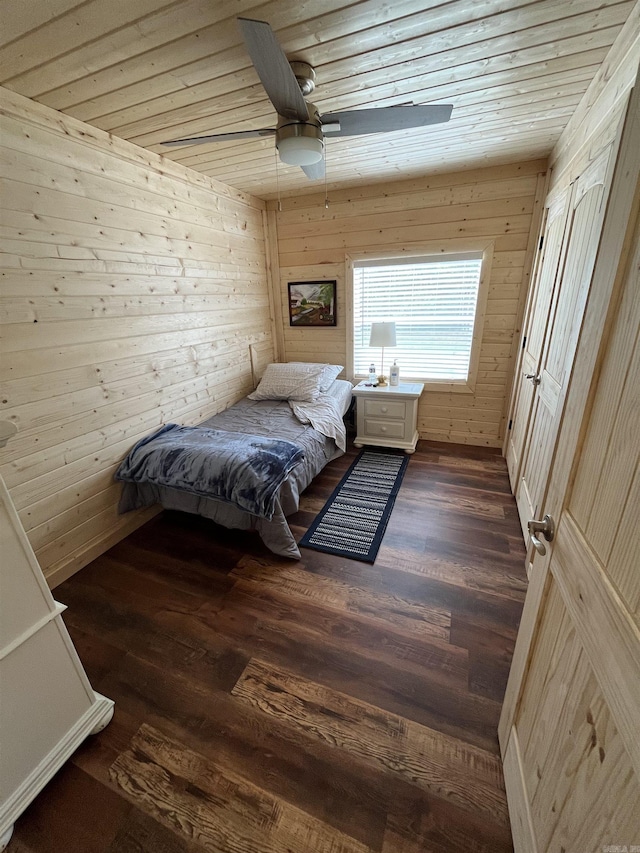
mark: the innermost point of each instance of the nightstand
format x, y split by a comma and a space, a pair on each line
387, 415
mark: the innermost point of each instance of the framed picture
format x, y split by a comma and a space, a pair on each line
312, 303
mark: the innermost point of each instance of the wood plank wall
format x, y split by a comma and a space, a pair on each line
597, 116
483, 204
132, 290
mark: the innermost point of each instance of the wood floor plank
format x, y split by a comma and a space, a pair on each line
141, 833
156, 563
429, 759
503, 612
344, 634
384, 608
481, 480
456, 567
215, 808
441, 828
460, 501
322, 704
141, 629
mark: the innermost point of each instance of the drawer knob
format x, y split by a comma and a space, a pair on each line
384, 409
384, 429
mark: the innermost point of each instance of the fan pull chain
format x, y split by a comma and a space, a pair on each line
275, 152
326, 198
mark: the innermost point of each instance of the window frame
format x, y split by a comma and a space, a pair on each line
426, 250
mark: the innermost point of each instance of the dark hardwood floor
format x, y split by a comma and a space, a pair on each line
319, 706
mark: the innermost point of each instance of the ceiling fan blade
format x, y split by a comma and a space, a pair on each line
356, 122
314, 172
273, 69
222, 137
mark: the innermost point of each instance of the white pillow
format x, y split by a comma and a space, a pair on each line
329, 375
295, 381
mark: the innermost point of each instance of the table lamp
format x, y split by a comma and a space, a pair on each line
382, 335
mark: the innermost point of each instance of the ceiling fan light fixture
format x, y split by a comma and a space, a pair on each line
299, 144
300, 151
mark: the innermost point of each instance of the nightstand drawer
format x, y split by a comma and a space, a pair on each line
385, 409
384, 429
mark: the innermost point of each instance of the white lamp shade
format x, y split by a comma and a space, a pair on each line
383, 335
300, 150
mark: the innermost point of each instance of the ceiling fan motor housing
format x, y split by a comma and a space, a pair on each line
305, 75
300, 143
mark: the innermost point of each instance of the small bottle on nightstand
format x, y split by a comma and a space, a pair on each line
373, 376
394, 374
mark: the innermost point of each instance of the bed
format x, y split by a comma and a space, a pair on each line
313, 425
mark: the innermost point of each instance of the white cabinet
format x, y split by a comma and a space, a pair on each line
387, 416
47, 706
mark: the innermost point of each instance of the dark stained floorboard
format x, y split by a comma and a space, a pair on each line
280, 706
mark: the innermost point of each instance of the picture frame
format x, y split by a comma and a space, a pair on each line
312, 303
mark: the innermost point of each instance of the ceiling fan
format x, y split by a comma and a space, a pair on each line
301, 129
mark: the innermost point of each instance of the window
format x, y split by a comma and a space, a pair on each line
433, 301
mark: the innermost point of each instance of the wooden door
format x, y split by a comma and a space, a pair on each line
536, 326
571, 716
555, 332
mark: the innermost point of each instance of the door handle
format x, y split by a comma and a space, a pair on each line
547, 527
535, 378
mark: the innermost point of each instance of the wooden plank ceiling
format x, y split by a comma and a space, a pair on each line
151, 70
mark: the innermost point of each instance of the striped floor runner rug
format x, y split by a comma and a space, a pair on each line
353, 520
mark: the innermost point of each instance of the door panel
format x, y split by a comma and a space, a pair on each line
553, 667
604, 625
584, 763
606, 475
535, 328
522, 829
581, 237
623, 562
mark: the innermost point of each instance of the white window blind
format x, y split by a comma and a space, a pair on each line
433, 303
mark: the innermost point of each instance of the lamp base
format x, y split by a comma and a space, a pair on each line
382, 380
